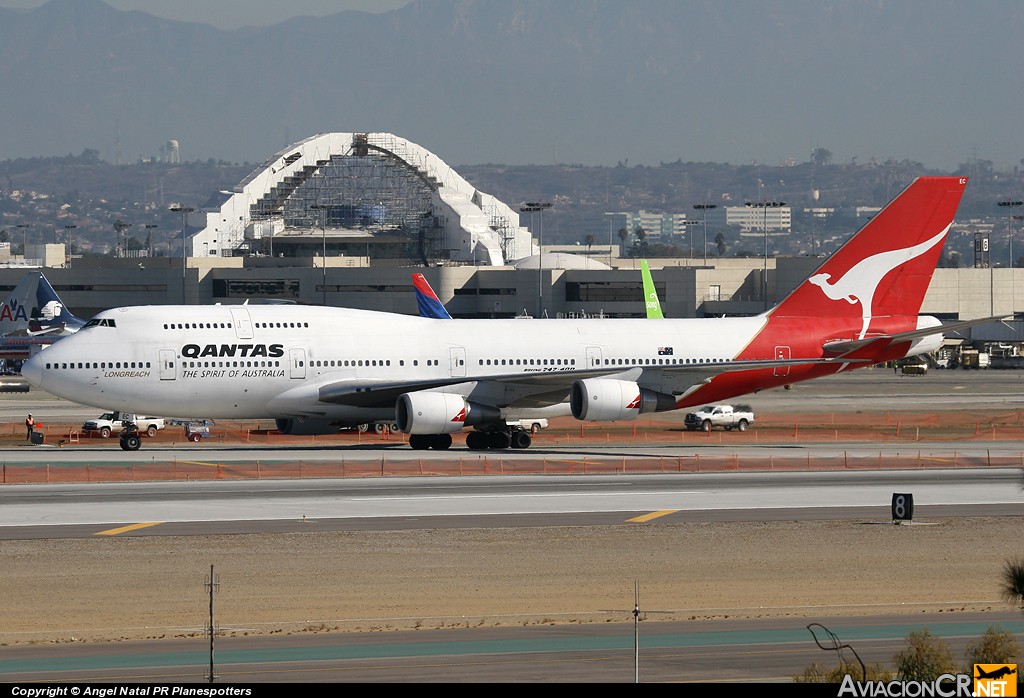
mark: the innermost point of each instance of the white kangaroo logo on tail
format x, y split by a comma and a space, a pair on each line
859, 283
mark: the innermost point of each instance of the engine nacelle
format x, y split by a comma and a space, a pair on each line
608, 400
306, 427
440, 413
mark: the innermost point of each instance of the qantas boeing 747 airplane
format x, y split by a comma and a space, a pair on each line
315, 369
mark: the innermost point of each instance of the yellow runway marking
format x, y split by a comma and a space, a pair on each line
125, 529
652, 515
199, 462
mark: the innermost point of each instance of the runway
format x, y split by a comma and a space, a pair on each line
276, 505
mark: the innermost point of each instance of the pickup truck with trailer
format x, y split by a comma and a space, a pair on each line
725, 416
109, 422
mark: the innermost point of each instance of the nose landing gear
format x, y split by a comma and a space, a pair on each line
130, 439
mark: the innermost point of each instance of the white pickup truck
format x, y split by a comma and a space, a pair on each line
109, 422
725, 416
531, 425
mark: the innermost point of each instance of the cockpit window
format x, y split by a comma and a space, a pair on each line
100, 322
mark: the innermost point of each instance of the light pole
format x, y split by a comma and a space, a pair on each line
612, 213
67, 242
765, 205
184, 211
1009, 205
149, 237
689, 236
323, 232
24, 238
703, 208
532, 207
121, 227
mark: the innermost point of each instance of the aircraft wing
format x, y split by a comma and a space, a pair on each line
879, 342
551, 387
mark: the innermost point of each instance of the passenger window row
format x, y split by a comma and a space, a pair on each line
101, 364
527, 362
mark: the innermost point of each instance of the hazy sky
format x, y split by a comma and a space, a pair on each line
232, 14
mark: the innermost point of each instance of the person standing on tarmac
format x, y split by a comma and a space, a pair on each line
29, 426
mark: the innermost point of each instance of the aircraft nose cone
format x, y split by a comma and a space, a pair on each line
32, 371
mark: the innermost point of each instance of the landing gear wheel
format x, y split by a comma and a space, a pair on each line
363, 428
130, 443
521, 439
476, 441
499, 440
438, 442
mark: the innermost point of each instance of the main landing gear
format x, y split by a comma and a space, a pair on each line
438, 442
498, 439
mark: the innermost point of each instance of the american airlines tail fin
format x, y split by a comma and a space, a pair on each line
17, 308
883, 271
34, 308
429, 304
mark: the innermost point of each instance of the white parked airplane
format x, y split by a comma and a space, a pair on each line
314, 369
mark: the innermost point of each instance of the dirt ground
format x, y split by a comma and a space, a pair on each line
153, 587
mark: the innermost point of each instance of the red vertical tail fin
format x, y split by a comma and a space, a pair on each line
885, 268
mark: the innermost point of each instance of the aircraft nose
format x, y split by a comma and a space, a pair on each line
32, 370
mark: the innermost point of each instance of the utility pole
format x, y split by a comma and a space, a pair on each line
211, 628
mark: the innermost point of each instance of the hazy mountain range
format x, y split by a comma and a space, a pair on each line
529, 81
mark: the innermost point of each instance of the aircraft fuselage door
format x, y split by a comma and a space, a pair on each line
242, 322
593, 357
168, 359
782, 354
297, 363
457, 361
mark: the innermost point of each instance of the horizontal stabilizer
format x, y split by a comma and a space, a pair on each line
880, 342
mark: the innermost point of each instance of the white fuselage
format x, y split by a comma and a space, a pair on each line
271, 361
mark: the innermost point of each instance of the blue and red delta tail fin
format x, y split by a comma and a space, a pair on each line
429, 304
883, 271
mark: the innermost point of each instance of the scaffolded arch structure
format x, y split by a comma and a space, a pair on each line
372, 189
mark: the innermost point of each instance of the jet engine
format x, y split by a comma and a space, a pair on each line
306, 427
608, 400
440, 413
